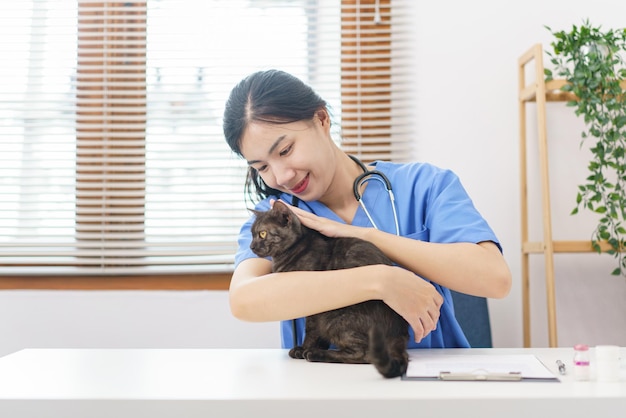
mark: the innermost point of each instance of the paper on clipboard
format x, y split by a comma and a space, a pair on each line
427, 366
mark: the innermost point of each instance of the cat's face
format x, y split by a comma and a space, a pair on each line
274, 231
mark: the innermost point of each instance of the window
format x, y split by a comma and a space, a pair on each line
113, 161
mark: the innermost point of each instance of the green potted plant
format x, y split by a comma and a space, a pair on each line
592, 62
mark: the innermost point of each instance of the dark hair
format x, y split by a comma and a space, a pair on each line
271, 96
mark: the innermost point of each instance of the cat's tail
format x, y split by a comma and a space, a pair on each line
389, 357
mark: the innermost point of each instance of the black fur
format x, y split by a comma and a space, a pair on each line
367, 332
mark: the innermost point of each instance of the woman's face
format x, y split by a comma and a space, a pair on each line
296, 158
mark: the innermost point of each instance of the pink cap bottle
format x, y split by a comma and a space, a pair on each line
581, 362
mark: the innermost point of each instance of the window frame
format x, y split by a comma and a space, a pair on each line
220, 280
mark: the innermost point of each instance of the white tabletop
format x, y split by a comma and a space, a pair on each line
238, 382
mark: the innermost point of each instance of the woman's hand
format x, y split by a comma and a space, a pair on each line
326, 226
415, 299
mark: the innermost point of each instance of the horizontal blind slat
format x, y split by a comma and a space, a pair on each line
114, 120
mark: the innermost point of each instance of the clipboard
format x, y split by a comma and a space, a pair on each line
445, 366
481, 375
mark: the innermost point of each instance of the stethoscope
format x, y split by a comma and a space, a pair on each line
361, 179
379, 176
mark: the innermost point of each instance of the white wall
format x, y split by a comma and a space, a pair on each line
467, 111
467, 120
126, 319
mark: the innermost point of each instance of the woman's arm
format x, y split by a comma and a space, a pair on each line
476, 269
256, 294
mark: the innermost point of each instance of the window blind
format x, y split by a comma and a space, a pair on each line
113, 160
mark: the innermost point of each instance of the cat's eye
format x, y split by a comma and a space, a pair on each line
262, 234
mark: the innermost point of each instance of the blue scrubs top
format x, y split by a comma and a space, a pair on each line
432, 206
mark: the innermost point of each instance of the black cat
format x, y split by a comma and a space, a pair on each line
367, 332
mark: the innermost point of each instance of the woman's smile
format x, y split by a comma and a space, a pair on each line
301, 187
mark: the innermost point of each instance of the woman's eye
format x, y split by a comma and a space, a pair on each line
262, 168
262, 234
286, 151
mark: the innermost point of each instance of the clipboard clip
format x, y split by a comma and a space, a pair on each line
480, 375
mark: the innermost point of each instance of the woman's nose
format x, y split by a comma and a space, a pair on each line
284, 176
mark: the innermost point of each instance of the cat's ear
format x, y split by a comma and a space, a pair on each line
255, 212
285, 213
280, 206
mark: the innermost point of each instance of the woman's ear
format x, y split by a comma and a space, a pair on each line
324, 118
324, 121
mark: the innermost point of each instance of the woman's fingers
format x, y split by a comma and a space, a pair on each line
425, 324
323, 225
414, 299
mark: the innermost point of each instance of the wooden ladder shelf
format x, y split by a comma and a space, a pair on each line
540, 92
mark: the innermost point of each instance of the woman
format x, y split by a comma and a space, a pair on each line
282, 128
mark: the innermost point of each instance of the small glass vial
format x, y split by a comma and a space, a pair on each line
581, 362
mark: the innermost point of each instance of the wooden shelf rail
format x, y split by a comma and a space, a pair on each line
540, 92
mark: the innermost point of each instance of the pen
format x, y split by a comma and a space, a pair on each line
561, 367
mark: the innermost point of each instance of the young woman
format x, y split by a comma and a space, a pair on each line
434, 234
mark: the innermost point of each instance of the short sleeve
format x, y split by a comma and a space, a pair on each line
451, 215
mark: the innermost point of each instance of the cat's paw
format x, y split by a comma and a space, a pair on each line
297, 352
314, 355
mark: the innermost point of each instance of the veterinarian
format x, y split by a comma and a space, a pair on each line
426, 223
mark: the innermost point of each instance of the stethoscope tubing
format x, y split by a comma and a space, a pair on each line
379, 176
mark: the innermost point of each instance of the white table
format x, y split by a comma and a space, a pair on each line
189, 383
